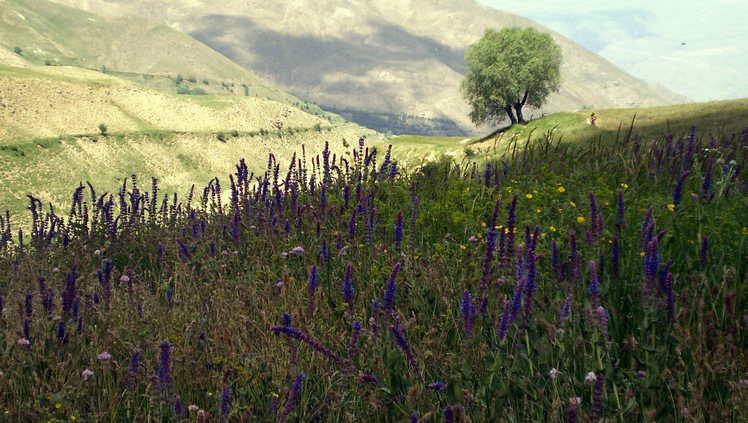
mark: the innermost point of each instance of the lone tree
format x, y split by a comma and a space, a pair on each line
507, 70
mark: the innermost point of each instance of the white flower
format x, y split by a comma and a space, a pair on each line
24, 342
56, 270
124, 278
97, 252
575, 400
591, 378
554, 373
87, 374
297, 250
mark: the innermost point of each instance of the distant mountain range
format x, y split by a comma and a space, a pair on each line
392, 65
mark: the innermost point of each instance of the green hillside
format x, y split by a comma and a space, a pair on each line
716, 118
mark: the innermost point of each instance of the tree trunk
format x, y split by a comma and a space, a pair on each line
510, 113
518, 107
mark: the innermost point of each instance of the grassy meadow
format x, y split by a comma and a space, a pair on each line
600, 280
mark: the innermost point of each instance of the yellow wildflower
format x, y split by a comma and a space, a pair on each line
745, 230
483, 224
573, 204
463, 247
642, 253
561, 189
580, 219
552, 228
624, 186
537, 210
528, 196
671, 207
58, 405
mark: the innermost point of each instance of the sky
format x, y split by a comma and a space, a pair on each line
698, 49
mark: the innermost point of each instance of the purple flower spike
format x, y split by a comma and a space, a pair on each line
468, 313
355, 335
399, 231
594, 288
616, 256
292, 398
164, 369
297, 334
389, 294
132, 371
414, 417
572, 414
706, 185
621, 220
313, 282
678, 192
225, 399
597, 397
670, 297
348, 287
449, 415
704, 247
402, 342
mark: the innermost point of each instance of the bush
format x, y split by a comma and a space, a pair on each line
102, 129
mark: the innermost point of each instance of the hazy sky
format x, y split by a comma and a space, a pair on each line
695, 48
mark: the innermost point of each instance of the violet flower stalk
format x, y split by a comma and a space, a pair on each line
706, 185
555, 260
594, 221
402, 342
597, 397
413, 223
614, 266
132, 370
399, 231
678, 192
389, 294
313, 282
293, 397
670, 297
468, 313
594, 287
355, 335
297, 334
504, 325
566, 309
164, 369
449, 415
510, 227
225, 399
348, 287
621, 220
651, 265
530, 286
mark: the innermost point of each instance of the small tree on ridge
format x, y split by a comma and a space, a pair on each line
507, 70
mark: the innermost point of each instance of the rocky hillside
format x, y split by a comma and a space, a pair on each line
392, 64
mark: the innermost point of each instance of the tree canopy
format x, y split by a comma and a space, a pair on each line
507, 70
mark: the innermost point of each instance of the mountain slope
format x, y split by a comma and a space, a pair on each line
400, 60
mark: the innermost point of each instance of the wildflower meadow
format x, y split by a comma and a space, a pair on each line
559, 282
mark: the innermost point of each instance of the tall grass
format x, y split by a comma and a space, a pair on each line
601, 282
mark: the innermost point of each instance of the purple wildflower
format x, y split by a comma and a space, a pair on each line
160, 251
413, 223
132, 371
184, 252
706, 185
505, 317
164, 369
292, 398
597, 397
678, 192
468, 313
530, 286
352, 225
402, 342
594, 229
663, 276
60, 332
348, 287
369, 378
449, 414
555, 260
571, 414
438, 386
355, 335
414, 417
651, 265
389, 294
594, 287
621, 221
313, 282
566, 309
399, 231
602, 320
178, 406
225, 399
296, 334
490, 245
511, 221
689, 151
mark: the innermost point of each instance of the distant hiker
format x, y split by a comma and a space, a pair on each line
592, 119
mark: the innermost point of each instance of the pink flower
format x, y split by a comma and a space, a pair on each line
575, 400
192, 408
473, 239
105, 356
124, 278
590, 378
24, 342
86, 374
297, 250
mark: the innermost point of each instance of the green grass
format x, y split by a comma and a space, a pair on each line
720, 118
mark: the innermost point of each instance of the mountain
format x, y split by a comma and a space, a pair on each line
391, 64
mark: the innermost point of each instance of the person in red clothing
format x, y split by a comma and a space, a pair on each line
592, 119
